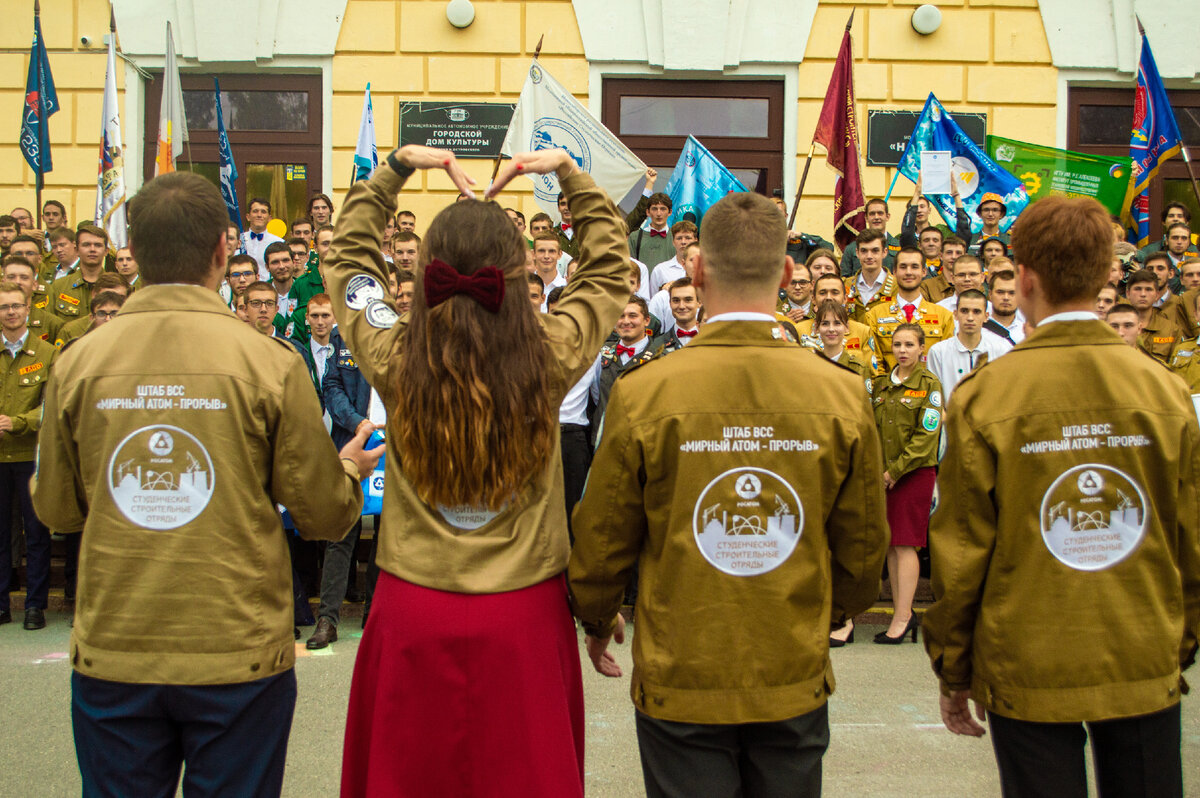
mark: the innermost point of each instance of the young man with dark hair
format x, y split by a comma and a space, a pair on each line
405, 280
877, 218
19, 271
872, 284
546, 254
908, 307
1172, 213
1005, 318
1179, 243
968, 275
941, 285
107, 282
303, 229
972, 346
64, 257
632, 348
652, 243
566, 236
796, 301
685, 307
240, 273
290, 296
70, 295
539, 223
537, 291
1159, 332
8, 231
683, 235
54, 216
405, 246
744, 712
127, 267
256, 239
1126, 322
261, 307
1066, 491
406, 222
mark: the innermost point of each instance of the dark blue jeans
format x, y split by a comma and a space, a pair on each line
14, 487
230, 739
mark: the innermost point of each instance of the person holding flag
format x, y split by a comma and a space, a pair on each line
41, 102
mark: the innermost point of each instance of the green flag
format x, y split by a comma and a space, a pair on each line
1046, 171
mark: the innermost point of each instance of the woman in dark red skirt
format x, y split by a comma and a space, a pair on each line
467, 681
908, 413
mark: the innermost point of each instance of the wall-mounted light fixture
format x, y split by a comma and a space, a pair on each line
926, 19
460, 13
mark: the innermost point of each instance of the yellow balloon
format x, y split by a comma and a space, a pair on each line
276, 227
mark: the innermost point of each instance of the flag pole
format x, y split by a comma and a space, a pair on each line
536, 52
811, 150
39, 177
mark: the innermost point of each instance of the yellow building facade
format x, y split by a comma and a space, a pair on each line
1017, 61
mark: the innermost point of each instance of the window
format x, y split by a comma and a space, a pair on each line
740, 122
274, 129
1099, 121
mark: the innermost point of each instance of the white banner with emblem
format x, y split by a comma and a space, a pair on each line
548, 117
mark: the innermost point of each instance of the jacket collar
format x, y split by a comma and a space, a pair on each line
175, 296
1071, 333
741, 333
913, 380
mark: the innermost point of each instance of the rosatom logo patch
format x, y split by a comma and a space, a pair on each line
1093, 516
360, 290
747, 521
160, 477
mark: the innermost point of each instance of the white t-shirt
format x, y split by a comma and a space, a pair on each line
666, 272
950, 360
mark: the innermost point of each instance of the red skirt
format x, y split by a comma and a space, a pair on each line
908, 506
466, 695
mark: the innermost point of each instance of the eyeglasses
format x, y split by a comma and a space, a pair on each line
236, 275
105, 314
260, 303
801, 282
11, 308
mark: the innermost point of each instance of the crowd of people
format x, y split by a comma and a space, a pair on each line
907, 319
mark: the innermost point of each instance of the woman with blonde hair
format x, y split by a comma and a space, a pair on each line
467, 680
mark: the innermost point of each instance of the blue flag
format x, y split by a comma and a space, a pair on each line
41, 102
229, 173
366, 157
975, 173
698, 182
1154, 139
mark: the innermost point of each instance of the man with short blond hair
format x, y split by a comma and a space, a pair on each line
546, 253
70, 295
19, 271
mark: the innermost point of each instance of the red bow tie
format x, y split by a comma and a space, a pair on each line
686, 333
659, 233
625, 350
485, 286
566, 226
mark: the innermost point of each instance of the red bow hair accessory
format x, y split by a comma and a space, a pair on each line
485, 286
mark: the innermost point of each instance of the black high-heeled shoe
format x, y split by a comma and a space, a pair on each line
914, 623
838, 643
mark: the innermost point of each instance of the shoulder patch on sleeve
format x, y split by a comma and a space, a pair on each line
930, 419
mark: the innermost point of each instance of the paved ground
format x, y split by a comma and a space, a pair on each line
887, 739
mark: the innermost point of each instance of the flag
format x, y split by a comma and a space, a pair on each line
548, 117
1154, 139
366, 157
228, 168
975, 173
698, 182
41, 102
837, 132
1046, 171
172, 123
110, 179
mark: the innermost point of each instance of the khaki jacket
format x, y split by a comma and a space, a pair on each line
1183, 313
755, 513
936, 322
908, 416
859, 341
22, 382
936, 288
1186, 363
44, 324
1065, 542
527, 541
73, 329
1159, 337
70, 296
170, 435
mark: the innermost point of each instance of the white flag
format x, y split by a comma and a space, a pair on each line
366, 157
172, 123
110, 183
548, 117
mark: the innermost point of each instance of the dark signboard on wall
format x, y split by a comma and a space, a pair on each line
469, 130
888, 133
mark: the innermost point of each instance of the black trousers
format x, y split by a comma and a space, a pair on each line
748, 760
576, 460
1135, 757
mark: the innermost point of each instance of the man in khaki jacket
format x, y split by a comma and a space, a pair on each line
1064, 546
753, 521
169, 436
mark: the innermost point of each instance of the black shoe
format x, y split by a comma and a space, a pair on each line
35, 618
5, 617
836, 643
296, 632
355, 596
914, 623
325, 634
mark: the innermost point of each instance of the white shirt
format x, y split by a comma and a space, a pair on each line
59, 271
867, 291
685, 340
557, 281
950, 360
901, 304
666, 272
643, 289
14, 347
1016, 330
1069, 315
256, 249
321, 354
741, 315
573, 409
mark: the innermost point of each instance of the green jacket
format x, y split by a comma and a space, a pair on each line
1065, 546
908, 417
22, 380
753, 520
70, 296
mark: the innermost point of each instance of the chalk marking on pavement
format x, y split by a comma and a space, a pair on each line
57, 656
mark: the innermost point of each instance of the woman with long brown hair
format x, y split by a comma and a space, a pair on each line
468, 680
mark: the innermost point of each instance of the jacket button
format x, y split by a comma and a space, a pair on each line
87, 662
254, 667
